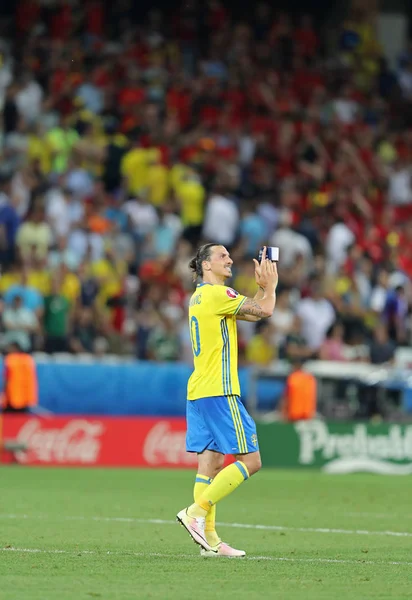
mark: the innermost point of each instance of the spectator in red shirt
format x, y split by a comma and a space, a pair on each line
133, 91
179, 101
305, 37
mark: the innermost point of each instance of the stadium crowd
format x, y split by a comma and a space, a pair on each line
123, 147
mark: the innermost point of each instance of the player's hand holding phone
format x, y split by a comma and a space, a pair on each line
266, 272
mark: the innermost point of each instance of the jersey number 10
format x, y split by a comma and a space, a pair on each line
195, 335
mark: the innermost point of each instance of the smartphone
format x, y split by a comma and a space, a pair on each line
272, 253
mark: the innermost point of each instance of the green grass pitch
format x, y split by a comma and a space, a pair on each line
74, 534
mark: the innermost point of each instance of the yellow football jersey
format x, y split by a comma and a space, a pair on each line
213, 331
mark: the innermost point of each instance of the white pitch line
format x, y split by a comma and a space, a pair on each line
192, 556
319, 530
325, 530
371, 515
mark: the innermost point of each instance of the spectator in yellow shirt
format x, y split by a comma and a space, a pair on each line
69, 284
35, 235
157, 181
109, 273
91, 146
61, 140
177, 173
190, 195
245, 282
39, 150
38, 277
11, 276
135, 168
260, 349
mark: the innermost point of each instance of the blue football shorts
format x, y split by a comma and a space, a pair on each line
222, 424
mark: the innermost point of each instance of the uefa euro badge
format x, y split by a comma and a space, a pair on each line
254, 439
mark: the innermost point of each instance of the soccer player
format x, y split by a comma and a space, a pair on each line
217, 422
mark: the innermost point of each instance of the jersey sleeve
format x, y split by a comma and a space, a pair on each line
227, 301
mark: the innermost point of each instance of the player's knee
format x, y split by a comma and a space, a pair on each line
210, 463
256, 463
253, 462
218, 465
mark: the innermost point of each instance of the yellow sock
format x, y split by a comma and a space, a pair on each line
201, 484
223, 484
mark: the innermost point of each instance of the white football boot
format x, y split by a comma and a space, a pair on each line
195, 526
222, 549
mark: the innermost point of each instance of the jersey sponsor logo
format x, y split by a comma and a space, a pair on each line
231, 293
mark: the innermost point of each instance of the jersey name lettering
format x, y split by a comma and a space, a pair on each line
196, 300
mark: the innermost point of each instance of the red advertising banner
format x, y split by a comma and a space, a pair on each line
100, 441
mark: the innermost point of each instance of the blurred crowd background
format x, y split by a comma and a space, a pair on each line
124, 145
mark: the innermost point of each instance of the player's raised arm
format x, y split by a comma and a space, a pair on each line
263, 307
255, 308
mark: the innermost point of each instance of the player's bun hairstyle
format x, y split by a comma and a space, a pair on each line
202, 254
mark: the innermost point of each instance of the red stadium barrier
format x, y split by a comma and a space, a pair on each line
100, 441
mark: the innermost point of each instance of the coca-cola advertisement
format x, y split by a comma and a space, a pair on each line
101, 441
